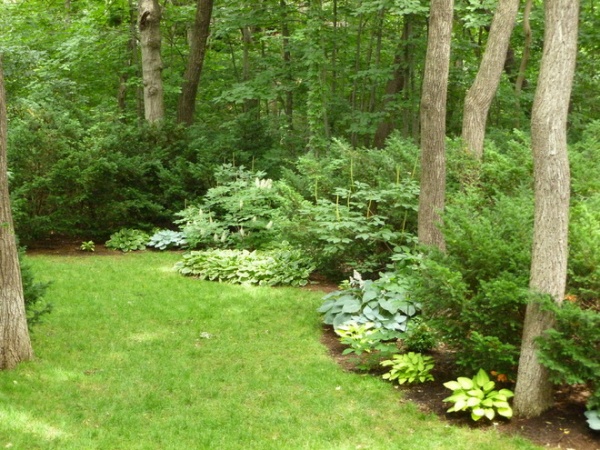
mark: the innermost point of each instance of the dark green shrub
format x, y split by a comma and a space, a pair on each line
474, 295
33, 292
570, 349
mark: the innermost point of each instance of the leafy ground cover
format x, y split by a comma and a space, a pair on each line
134, 356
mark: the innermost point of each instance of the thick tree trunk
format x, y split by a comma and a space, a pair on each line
15, 345
149, 23
433, 123
191, 77
533, 393
479, 97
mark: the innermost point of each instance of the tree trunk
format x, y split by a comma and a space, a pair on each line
479, 97
526, 48
15, 345
533, 393
149, 23
433, 123
191, 77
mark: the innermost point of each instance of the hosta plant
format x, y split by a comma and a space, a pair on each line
409, 368
593, 419
478, 396
369, 344
127, 240
384, 302
164, 239
283, 266
88, 246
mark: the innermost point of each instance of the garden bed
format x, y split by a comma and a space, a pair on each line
564, 426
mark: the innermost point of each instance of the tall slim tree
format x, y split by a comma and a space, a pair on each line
533, 392
150, 42
15, 345
433, 123
191, 77
479, 97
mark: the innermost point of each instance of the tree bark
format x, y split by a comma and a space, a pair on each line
433, 124
191, 78
149, 23
15, 345
533, 393
479, 97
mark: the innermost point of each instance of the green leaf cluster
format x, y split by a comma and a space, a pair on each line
571, 347
384, 302
164, 239
127, 240
593, 419
242, 211
368, 343
283, 266
409, 368
478, 396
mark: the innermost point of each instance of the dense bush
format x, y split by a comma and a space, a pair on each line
74, 177
241, 211
360, 206
474, 294
33, 292
570, 349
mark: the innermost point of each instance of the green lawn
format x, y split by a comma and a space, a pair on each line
135, 356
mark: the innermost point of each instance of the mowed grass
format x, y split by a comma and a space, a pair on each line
135, 356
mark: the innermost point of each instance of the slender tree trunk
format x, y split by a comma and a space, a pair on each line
479, 97
149, 23
433, 123
191, 78
15, 345
392, 88
287, 63
526, 48
533, 393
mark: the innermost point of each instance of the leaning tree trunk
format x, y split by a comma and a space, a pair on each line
533, 392
433, 123
191, 77
15, 345
479, 97
149, 23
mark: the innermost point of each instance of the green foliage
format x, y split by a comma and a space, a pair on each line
128, 240
240, 212
164, 239
283, 266
478, 396
88, 246
593, 419
362, 206
409, 368
368, 343
474, 295
384, 302
570, 349
33, 293
75, 177
419, 337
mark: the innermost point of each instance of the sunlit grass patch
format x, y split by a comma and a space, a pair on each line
138, 357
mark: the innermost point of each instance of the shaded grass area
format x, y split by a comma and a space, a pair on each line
135, 356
